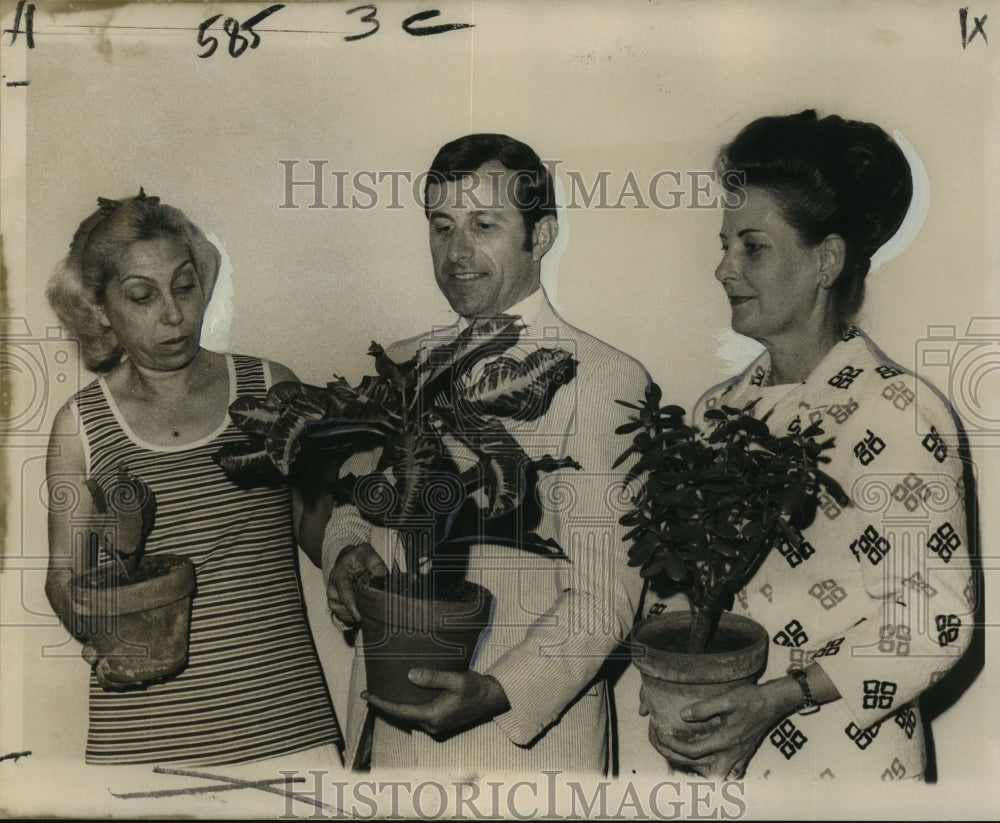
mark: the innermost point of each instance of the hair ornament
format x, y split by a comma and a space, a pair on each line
153, 201
107, 206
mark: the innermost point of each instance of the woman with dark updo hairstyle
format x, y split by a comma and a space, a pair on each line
866, 614
133, 290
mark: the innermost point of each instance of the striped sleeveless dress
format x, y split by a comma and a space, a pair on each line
253, 687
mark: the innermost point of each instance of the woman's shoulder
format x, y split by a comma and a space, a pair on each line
280, 373
250, 364
86, 395
890, 404
893, 387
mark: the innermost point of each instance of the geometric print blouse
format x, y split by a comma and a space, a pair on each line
880, 593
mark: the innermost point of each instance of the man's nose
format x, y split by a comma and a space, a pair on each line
461, 247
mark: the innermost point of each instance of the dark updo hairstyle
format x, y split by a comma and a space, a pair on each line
79, 286
830, 176
533, 191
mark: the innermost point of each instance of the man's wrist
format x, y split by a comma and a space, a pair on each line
496, 697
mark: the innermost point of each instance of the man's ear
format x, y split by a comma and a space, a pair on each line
831, 254
543, 235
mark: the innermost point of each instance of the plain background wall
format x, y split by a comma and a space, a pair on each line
639, 87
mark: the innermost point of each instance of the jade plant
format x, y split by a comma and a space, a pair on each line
713, 503
446, 471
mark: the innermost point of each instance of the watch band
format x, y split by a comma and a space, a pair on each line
809, 706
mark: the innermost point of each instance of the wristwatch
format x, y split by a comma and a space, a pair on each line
809, 706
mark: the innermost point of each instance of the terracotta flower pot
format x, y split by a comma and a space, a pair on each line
139, 629
672, 678
400, 632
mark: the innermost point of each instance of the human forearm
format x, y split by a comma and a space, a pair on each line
57, 590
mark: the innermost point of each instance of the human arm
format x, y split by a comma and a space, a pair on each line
467, 699
347, 552
69, 497
564, 648
749, 712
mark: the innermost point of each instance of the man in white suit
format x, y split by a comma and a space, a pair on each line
536, 697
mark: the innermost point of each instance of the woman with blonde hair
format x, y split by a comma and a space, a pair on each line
133, 290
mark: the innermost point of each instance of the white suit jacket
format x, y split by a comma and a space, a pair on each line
555, 622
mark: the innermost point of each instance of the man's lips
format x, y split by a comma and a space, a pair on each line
466, 276
739, 299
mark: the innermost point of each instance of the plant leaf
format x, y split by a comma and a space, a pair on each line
486, 338
284, 438
253, 415
247, 464
519, 389
412, 456
395, 373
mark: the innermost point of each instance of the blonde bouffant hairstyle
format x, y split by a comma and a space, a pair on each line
78, 288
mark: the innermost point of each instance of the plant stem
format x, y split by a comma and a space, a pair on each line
703, 624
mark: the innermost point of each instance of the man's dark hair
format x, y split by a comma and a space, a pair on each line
532, 192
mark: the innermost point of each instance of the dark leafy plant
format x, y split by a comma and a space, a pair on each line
125, 516
712, 504
448, 473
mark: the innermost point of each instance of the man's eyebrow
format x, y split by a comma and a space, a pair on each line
487, 211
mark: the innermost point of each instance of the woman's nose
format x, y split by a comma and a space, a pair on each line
725, 270
172, 315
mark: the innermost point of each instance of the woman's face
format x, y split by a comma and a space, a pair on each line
772, 278
155, 304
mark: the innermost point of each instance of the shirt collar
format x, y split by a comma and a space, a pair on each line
526, 310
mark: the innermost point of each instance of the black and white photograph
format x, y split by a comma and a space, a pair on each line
491, 409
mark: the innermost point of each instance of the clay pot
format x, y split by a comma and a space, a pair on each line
400, 632
140, 629
672, 678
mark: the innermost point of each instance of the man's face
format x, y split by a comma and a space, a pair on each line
478, 242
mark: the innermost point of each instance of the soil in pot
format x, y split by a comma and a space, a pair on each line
401, 630
139, 628
672, 678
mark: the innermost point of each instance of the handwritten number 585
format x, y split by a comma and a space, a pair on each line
231, 26
242, 36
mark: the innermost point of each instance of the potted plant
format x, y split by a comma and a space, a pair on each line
711, 505
133, 609
448, 474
